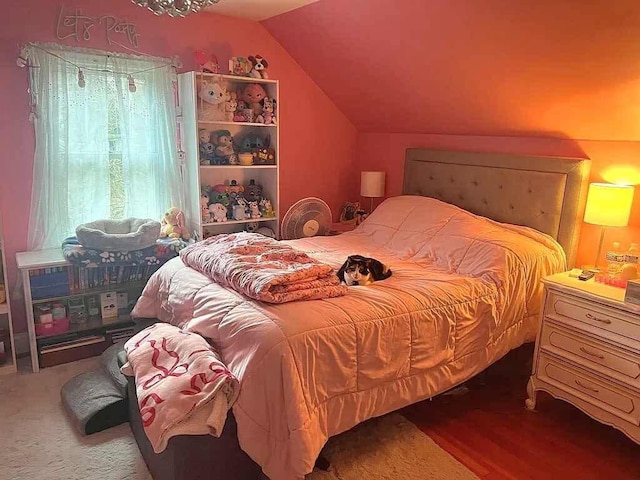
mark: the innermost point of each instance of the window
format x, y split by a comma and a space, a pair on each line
105, 139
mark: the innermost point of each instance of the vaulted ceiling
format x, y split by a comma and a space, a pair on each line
551, 67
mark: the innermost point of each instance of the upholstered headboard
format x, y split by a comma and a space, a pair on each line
545, 193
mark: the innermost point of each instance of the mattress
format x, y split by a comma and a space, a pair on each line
464, 291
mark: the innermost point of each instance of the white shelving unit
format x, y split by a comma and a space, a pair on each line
196, 175
5, 314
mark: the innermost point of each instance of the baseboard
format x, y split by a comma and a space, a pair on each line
21, 341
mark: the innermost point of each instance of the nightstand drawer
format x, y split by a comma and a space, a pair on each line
561, 307
596, 391
604, 358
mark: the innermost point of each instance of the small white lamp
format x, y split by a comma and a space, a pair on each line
372, 185
608, 205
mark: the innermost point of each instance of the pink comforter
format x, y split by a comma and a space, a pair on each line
464, 291
262, 268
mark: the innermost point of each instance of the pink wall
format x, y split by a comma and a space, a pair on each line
551, 78
317, 140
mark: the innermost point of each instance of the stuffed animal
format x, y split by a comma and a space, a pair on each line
207, 65
250, 142
268, 116
266, 208
253, 192
251, 227
258, 67
212, 96
224, 153
207, 151
239, 115
218, 212
253, 94
242, 203
235, 190
219, 194
172, 224
204, 208
230, 107
254, 210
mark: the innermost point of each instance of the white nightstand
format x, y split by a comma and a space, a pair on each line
588, 352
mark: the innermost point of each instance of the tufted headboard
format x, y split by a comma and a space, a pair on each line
545, 193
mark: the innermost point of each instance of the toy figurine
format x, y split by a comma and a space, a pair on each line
204, 208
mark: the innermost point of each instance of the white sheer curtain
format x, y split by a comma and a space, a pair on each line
102, 151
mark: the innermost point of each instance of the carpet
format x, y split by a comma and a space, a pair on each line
38, 441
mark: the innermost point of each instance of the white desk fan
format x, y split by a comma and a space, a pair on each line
306, 218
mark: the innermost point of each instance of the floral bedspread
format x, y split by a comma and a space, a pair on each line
164, 249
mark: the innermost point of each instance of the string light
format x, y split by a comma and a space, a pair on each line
22, 62
132, 84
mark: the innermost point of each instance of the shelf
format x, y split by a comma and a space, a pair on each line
237, 222
246, 124
92, 324
4, 309
114, 287
215, 167
236, 78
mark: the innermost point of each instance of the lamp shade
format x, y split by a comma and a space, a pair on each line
608, 205
372, 184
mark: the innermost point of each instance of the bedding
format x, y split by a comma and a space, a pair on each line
262, 268
464, 291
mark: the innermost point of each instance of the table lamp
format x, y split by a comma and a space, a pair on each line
608, 205
372, 185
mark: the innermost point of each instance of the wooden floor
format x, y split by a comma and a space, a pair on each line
489, 430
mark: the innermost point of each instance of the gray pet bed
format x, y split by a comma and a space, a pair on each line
119, 235
97, 400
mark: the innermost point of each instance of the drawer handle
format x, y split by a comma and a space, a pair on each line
606, 321
593, 354
586, 387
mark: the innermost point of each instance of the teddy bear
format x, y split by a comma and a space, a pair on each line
259, 66
230, 106
253, 94
218, 211
212, 96
172, 224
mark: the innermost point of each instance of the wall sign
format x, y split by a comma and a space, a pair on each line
74, 24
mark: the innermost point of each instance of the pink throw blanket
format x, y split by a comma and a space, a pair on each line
182, 386
262, 268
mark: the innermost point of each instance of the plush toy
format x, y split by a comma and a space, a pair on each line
224, 153
268, 116
258, 67
264, 156
218, 212
207, 65
230, 107
219, 194
235, 191
172, 224
254, 210
251, 227
253, 192
266, 208
239, 115
212, 96
253, 95
239, 210
250, 142
207, 151
204, 208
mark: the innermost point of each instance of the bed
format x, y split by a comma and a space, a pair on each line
464, 292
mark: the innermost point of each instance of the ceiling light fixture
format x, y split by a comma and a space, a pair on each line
175, 8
